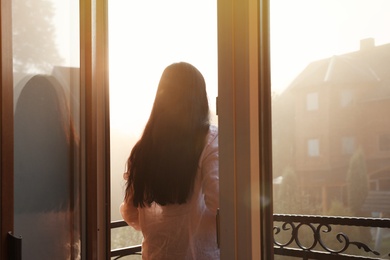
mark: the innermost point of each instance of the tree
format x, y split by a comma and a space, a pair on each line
288, 196
34, 36
283, 125
357, 182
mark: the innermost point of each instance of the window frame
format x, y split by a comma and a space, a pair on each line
245, 128
95, 139
244, 113
6, 127
94, 142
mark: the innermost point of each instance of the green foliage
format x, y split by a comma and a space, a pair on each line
125, 236
354, 233
287, 197
337, 208
34, 36
357, 182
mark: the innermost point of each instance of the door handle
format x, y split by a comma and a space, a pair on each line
14, 247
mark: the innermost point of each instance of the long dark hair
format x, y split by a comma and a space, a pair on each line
163, 163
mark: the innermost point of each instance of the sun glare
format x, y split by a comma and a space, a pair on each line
144, 38
303, 31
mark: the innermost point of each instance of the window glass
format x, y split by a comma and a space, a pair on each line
338, 51
46, 57
144, 38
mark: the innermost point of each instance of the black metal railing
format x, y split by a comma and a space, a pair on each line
314, 229
315, 246
121, 252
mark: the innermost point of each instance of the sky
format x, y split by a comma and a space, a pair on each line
146, 36
303, 31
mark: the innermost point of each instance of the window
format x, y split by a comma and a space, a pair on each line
313, 147
312, 101
384, 142
53, 62
346, 98
157, 33
47, 177
347, 145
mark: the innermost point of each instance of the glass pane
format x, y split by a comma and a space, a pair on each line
330, 76
46, 97
144, 38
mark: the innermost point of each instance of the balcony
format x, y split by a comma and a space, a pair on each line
313, 237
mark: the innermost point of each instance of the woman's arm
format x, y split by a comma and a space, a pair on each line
210, 173
128, 211
130, 214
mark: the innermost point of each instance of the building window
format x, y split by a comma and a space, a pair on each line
312, 101
384, 142
313, 147
345, 98
347, 145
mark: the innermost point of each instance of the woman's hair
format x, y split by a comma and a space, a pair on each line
163, 163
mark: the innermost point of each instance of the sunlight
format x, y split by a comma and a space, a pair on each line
331, 27
144, 38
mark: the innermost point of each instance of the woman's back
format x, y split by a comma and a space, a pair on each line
185, 231
172, 177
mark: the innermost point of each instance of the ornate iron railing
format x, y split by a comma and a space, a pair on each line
314, 229
292, 227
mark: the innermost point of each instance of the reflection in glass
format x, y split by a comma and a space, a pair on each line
44, 179
331, 82
46, 130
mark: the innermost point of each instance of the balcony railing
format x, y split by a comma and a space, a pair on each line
320, 242
121, 252
312, 229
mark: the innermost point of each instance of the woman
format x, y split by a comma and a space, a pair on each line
172, 172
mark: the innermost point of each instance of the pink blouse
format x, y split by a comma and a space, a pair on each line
186, 231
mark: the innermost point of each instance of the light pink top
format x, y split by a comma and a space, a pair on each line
186, 231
